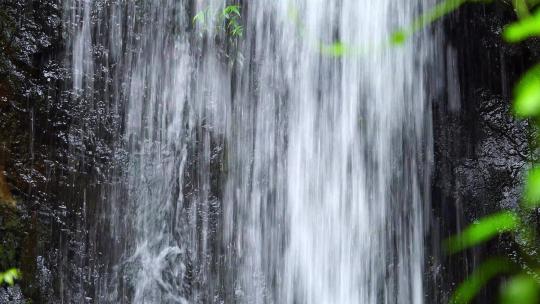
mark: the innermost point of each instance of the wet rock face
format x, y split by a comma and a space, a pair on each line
29, 81
480, 149
32, 147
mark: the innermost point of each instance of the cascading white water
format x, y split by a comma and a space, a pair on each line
288, 167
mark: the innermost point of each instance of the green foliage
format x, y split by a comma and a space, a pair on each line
475, 282
398, 37
222, 26
483, 230
527, 94
231, 16
521, 289
225, 21
336, 49
521, 8
200, 17
231, 10
525, 28
9, 277
440, 10
437, 12
532, 188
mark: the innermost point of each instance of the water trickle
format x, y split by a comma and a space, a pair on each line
286, 165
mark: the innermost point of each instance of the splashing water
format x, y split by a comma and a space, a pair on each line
286, 165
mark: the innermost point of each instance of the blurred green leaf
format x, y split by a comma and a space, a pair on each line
10, 276
200, 17
521, 8
523, 29
527, 94
432, 15
467, 290
437, 12
521, 289
336, 49
532, 188
483, 230
398, 38
532, 3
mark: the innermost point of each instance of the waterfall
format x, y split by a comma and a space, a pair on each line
288, 164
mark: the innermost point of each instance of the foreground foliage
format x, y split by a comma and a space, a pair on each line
9, 277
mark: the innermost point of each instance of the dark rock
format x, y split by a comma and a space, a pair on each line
33, 147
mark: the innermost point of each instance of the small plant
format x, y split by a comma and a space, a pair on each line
225, 21
231, 16
224, 26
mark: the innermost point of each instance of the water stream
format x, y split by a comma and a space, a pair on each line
275, 167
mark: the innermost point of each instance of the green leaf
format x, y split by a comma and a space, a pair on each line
527, 94
521, 8
523, 29
521, 289
483, 230
532, 3
398, 38
232, 10
467, 290
532, 188
238, 31
10, 276
336, 49
440, 10
200, 17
